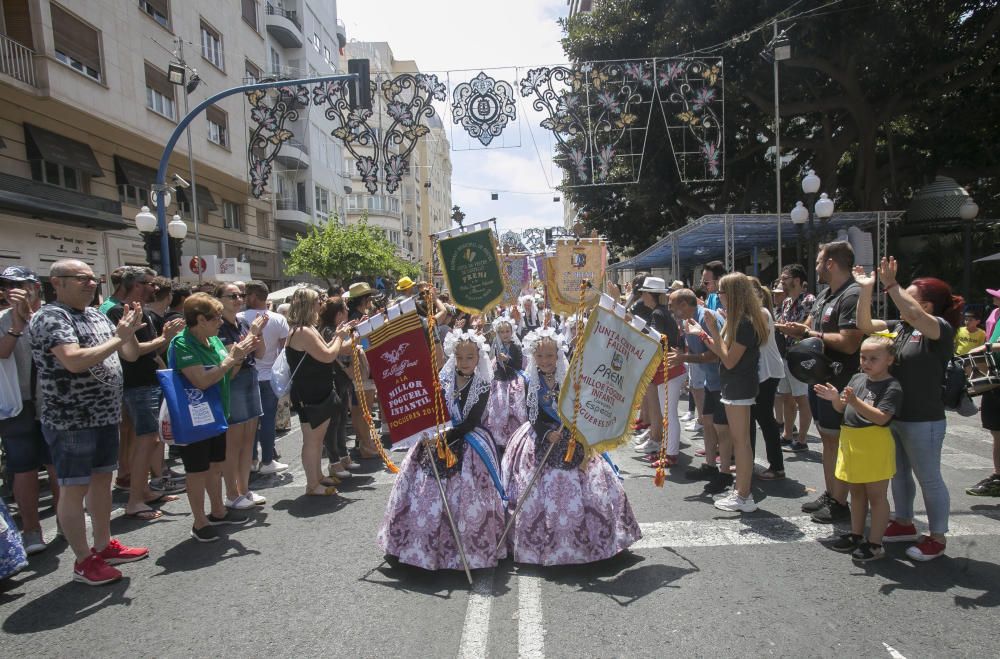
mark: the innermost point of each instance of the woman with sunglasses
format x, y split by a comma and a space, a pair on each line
244, 400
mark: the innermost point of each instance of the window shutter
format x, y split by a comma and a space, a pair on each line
157, 80
250, 12
76, 38
216, 116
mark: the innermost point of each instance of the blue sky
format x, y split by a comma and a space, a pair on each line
443, 36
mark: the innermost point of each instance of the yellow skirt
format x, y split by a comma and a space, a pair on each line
866, 455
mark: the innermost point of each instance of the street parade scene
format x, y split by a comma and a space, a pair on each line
600, 328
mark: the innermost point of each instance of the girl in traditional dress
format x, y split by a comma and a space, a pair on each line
415, 529
528, 319
506, 411
577, 511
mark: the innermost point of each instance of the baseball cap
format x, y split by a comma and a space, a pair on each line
18, 273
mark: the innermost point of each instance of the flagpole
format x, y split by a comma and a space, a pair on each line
447, 510
524, 497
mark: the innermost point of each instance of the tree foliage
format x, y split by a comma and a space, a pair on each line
333, 251
878, 98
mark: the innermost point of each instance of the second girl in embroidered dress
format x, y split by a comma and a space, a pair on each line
578, 511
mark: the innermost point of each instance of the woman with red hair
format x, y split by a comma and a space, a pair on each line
923, 338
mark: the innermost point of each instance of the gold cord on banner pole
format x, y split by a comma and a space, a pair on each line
367, 413
443, 450
661, 462
576, 376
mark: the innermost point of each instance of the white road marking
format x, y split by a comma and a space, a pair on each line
893, 652
530, 630
750, 530
476, 630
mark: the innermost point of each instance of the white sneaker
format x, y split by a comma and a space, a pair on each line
694, 426
274, 467
642, 437
689, 416
239, 503
650, 446
735, 503
255, 498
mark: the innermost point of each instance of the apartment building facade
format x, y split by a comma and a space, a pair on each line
421, 205
85, 110
309, 184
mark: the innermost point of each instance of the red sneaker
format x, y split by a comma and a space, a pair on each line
926, 550
897, 532
93, 571
700, 452
116, 553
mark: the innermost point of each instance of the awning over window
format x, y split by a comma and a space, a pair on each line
205, 199
52, 147
129, 172
47, 202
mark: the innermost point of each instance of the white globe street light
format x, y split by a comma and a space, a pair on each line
810, 183
824, 207
800, 214
968, 210
145, 221
177, 228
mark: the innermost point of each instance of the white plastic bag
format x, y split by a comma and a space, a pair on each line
281, 375
165, 434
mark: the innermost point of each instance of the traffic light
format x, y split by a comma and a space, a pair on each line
359, 91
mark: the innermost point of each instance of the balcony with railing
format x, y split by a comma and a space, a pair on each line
17, 61
293, 214
284, 25
294, 154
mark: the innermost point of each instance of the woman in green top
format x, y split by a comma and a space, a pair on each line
199, 354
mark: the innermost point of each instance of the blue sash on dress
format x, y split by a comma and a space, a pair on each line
482, 443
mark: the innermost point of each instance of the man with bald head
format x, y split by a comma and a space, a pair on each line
76, 351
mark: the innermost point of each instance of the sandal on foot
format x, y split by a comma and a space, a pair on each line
330, 482
322, 491
163, 498
147, 515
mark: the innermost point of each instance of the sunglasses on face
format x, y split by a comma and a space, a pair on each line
234, 296
83, 279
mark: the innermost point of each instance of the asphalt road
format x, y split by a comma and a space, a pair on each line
305, 578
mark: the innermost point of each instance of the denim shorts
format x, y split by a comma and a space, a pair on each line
244, 397
23, 443
78, 453
143, 405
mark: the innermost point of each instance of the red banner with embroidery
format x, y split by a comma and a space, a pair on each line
399, 359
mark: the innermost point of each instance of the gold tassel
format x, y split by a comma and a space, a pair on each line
570, 450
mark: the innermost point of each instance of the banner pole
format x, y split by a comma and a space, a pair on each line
447, 510
524, 497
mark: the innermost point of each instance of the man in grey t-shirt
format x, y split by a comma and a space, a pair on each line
75, 349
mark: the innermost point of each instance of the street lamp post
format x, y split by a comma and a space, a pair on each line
799, 215
152, 238
967, 212
823, 209
177, 74
782, 51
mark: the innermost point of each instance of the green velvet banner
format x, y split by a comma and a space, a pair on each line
472, 270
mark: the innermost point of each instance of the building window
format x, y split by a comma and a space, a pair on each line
263, 224
316, 42
211, 46
231, 216
160, 93
56, 174
76, 44
326, 54
394, 237
253, 72
158, 10
349, 167
275, 61
322, 203
353, 202
250, 13
133, 196
218, 126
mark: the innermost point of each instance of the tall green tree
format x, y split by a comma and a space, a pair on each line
878, 98
334, 251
